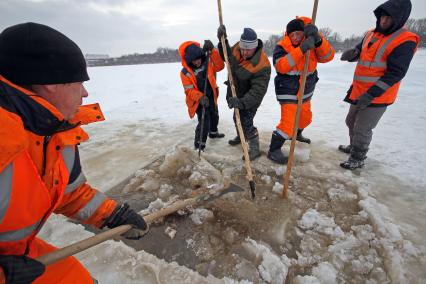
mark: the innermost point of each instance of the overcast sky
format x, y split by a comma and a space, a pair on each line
117, 27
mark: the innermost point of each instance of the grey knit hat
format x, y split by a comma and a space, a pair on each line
248, 39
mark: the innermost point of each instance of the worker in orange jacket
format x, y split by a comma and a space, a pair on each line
195, 69
41, 90
383, 57
289, 61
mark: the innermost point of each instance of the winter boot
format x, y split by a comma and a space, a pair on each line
345, 149
274, 153
216, 135
356, 159
254, 149
301, 138
234, 141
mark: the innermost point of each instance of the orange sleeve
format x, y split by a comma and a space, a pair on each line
86, 205
325, 52
286, 63
191, 91
217, 61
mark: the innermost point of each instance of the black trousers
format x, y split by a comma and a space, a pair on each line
211, 120
247, 117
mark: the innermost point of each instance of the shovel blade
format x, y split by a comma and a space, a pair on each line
216, 193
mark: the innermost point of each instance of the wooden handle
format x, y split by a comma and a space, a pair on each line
82, 245
299, 107
247, 162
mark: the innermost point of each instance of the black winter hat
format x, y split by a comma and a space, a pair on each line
32, 53
295, 25
193, 52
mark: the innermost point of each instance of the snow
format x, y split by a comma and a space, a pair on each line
362, 226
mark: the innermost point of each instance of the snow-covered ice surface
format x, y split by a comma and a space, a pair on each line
337, 227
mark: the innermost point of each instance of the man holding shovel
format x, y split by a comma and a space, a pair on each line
41, 90
198, 76
251, 71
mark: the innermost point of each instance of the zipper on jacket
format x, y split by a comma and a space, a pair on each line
45, 143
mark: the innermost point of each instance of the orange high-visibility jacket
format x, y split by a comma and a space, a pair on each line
371, 65
289, 62
189, 80
40, 169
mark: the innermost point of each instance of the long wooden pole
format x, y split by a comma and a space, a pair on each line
82, 245
237, 111
299, 107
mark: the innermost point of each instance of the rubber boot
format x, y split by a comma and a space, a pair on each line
301, 138
345, 149
274, 153
356, 159
254, 148
234, 141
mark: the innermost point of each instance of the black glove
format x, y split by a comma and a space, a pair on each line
124, 215
204, 101
208, 46
235, 103
364, 101
350, 55
19, 269
308, 44
312, 30
221, 31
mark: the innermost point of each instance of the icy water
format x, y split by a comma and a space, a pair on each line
327, 227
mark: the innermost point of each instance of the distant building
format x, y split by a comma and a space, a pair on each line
95, 59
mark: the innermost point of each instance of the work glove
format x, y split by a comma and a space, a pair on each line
364, 101
308, 44
235, 103
204, 101
19, 269
312, 30
221, 31
124, 215
350, 55
208, 46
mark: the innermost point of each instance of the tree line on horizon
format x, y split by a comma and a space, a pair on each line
168, 55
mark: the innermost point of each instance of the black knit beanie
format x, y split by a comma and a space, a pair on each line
295, 25
32, 53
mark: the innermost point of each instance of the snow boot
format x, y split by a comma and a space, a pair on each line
216, 135
301, 138
274, 153
345, 149
356, 159
254, 149
234, 141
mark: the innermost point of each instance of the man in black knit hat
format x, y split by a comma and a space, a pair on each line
41, 91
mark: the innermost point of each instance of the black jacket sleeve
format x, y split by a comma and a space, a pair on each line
279, 52
398, 63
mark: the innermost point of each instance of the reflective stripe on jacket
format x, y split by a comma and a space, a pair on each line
371, 65
41, 174
289, 62
189, 80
